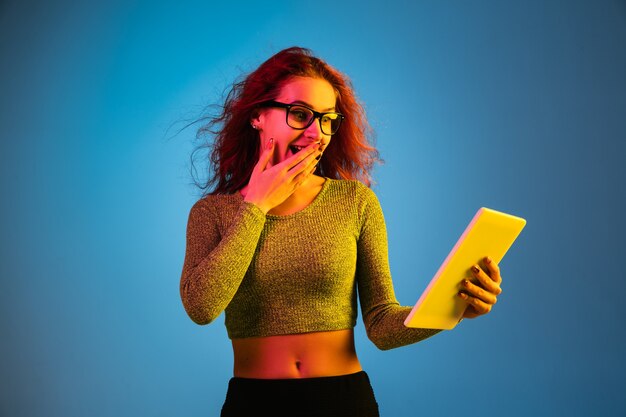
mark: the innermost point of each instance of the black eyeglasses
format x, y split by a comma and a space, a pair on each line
300, 117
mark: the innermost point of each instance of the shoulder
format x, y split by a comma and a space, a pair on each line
212, 205
203, 205
218, 200
352, 188
356, 194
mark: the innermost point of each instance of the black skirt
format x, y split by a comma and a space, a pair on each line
332, 396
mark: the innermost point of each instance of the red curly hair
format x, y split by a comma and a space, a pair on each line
236, 147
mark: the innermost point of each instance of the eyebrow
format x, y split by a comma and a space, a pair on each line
308, 105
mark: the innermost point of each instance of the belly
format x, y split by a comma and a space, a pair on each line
307, 355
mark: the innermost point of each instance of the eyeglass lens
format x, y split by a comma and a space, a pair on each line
301, 118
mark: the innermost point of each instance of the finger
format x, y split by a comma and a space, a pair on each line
313, 163
301, 172
314, 166
265, 156
478, 292
292, 162
486, 281
480, 307
305, 172
494, 270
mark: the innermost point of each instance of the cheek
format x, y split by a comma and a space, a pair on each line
276, 126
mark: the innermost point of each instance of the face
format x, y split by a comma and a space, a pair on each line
314, 93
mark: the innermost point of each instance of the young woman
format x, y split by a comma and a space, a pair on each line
288, 238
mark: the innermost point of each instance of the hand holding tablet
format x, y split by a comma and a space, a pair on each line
481, 294
490, 233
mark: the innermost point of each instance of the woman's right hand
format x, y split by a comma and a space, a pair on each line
270, 187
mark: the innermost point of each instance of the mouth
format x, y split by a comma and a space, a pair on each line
296, 148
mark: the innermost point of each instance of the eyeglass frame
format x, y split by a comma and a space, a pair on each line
316, 115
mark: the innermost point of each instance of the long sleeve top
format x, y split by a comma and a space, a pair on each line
298, 273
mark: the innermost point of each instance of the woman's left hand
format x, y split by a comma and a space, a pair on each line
481, 296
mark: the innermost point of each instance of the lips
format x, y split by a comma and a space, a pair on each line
296, 148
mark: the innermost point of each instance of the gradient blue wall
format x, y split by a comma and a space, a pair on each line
519, 106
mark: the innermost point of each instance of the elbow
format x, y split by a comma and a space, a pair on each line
199, 315
384, 346
380, 342
200, 320
380, 345
381, 327
198, 310
378, 336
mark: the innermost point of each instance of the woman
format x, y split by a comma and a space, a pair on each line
289, 234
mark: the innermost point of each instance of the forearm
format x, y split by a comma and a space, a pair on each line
385, 327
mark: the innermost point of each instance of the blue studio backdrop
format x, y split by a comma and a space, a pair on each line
515, 105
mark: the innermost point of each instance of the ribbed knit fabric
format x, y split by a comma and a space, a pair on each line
299, 273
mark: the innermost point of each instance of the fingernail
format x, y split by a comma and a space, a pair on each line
488, 260
475, 269
463, 295
465, 282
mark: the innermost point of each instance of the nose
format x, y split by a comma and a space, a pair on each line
314, 131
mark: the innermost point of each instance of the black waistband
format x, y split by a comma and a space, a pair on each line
361, 375
321, 396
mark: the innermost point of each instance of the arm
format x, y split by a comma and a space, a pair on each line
382, 314
215, 265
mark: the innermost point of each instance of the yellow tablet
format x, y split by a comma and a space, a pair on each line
490, 233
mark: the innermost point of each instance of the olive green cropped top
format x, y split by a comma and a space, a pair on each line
298, 273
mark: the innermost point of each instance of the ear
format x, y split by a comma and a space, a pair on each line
257, 119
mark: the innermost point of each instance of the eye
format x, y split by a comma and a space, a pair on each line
299, 114
329, 118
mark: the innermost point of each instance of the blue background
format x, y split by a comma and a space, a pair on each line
518, 106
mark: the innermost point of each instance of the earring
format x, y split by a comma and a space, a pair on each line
254, 126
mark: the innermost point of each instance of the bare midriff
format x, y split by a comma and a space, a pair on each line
306, 355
